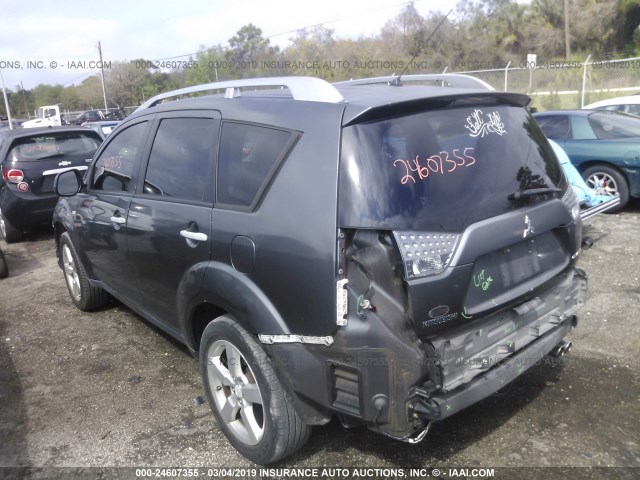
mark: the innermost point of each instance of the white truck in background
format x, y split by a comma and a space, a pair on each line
47, 116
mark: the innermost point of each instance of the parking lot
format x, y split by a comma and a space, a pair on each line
108, 389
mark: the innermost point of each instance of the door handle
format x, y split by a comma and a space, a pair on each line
118, 220
197, 236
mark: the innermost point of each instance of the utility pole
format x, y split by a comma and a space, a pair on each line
24, 97
567, 40
104, 92
6, 102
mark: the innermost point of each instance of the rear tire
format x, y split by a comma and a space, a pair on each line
252, 409
85, 296
606, 180
10, 233
4, 269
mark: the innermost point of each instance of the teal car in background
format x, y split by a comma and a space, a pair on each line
603, 145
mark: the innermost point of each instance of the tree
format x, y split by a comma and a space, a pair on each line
406, 31
89, 93
308, 46
211, 66
125, 82
481, 33
247, 50
47, 94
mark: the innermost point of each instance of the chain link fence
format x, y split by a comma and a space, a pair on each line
565, 84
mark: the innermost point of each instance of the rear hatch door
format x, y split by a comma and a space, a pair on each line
473, 197
40, 157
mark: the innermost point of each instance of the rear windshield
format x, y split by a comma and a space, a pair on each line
442, 170
41, 147
614, 125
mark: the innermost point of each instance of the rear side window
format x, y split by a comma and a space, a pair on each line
182, 152
114, 170
50, 146
633, 109
556, 128
581, 128
249, 155
611, 125
615, 108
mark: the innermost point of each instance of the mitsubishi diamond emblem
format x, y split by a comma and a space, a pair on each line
529, 230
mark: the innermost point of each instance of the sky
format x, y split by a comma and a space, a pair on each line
60, 38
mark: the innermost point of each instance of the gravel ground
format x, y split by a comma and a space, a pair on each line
108, 389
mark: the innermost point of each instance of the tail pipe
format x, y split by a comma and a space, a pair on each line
559, 350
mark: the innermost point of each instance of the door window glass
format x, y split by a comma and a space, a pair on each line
119, 161
556, 128
180, 158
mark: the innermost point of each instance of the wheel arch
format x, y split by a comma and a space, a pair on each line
625, 189
592, 163
58, 229
225, 291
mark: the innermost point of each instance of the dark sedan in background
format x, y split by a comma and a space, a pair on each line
30, 158
603, 145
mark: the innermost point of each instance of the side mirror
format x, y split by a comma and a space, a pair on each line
67, 184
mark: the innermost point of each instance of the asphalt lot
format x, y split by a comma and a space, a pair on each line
108, 389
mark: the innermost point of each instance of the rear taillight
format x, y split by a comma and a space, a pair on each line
425, 253
572, 203
13, 175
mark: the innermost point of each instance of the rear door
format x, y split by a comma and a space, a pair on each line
169, 224
102, 213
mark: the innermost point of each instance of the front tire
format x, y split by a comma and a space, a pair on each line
252, 409
606, 180
84, 296
10, 233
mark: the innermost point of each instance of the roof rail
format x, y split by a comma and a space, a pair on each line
446, 79
309, 89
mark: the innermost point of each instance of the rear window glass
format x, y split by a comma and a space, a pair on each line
442, 170
57, 145
249, 155
612, 125
633, 109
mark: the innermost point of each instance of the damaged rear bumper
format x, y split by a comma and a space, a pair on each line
385, 377
442, 405
478, 360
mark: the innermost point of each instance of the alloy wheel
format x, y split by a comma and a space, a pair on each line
235, 392
602, 183
3, 227
70, 272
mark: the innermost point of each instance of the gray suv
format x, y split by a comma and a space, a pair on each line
380, 252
